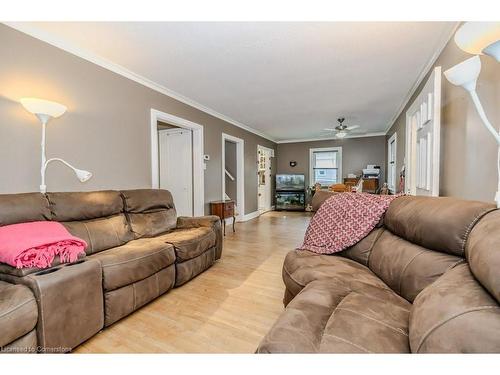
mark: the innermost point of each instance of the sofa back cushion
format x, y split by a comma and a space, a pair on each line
441, 224
96, 217
483, 253
361, 251
151, 211
406, 267
75, 206
21, 208
455, 315
319, 198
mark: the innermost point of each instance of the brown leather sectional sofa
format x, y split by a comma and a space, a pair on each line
137, 250
425, 281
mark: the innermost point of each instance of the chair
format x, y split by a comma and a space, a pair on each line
339, 188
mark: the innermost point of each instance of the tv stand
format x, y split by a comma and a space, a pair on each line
290, 200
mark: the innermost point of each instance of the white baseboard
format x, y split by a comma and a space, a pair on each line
250, 216
269, 209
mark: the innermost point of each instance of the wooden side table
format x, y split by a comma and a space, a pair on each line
224, 210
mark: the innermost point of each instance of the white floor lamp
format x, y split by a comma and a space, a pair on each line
477, 38
45, 110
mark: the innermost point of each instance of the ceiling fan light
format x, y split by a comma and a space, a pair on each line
341, 134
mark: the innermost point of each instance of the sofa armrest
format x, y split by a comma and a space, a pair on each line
210, 221
186, 222
6, 269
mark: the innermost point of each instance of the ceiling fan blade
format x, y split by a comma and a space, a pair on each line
352, 127
330, 129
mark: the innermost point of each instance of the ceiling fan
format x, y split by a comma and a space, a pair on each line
341, 130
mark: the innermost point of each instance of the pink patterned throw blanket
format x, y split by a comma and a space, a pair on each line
343, 220
36, 244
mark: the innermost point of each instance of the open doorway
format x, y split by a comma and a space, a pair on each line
233, 185
264, 176
177, 161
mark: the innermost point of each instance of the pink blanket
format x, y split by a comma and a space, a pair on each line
343, 220
36, 244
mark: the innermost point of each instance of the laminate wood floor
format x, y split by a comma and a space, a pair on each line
226, 309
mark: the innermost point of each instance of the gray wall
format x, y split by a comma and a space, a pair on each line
468, 151
106, 129
231, 166
356, 154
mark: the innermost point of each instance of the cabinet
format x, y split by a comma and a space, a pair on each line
290, 200
370, 185
224, 210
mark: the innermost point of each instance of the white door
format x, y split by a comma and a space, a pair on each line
392, 163
176, 167
264, 178
423, 129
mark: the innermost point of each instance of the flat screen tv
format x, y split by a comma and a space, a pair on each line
290, 182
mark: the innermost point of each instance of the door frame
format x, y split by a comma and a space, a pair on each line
198, 163
410, 134
270, 208
393, 138
240, 172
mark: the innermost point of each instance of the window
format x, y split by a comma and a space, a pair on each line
325, 166
391, 163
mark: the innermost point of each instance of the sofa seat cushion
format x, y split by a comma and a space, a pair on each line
302, 267
134, 261
332, 318
190, 243
18, 312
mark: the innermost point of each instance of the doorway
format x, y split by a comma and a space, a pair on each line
177, 161
264, 176
423, 130
233, 180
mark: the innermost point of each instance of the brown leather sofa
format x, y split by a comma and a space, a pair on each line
18, 318
426, 281
319, 197
138, 249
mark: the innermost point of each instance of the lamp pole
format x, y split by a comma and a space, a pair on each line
493, 131
44, 119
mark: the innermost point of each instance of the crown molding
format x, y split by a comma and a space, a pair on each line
443, 41
374, 134
124, 72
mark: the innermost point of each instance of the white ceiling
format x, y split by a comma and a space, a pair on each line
286, 80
